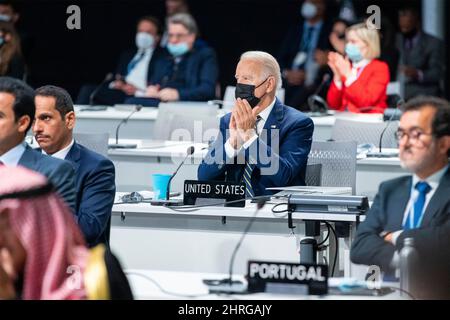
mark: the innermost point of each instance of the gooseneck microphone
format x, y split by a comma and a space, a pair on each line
400, 102
94, 93
259, 205
118, 145
316, 98
189, 152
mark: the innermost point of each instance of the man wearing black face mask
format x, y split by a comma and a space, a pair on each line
421, 56
262, 142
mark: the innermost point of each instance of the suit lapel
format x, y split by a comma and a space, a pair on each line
273, 121
400, 201
74, 156
440, 197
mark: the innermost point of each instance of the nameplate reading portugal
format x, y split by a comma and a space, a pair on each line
204, 192
266, 276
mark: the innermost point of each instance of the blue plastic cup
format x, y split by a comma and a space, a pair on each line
160, 182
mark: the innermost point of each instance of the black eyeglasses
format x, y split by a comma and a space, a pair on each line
413, 136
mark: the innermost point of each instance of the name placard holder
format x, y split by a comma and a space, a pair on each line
214, 192
287, 278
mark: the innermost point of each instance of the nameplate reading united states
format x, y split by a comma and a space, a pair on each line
204, 192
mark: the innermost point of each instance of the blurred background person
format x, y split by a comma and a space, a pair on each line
12, 63
133, 69
422, 58
185, 72
173, 7
297, 55
360, 80
43, 254
337, 35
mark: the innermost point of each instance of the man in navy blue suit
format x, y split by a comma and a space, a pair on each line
17, 111
187, 71
416, 206
95, 174
262, 142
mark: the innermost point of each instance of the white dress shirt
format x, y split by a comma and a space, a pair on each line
231, 152
12, 157
138, 75
62, 154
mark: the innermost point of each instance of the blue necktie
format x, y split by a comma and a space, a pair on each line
249, 170
419, 204
135, 61
306, 40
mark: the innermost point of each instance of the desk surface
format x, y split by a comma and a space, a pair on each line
147, 284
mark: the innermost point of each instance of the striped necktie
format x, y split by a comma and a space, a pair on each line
249, 169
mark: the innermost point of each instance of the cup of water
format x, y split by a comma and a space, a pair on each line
160, 182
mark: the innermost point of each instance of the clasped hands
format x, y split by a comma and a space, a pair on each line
341, 67
242, 123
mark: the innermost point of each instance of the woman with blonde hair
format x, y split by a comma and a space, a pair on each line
11, 60
360, 79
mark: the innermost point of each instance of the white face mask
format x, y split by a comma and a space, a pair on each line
144, 40
309, 10
5, 17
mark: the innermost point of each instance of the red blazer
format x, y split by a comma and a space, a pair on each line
369, 90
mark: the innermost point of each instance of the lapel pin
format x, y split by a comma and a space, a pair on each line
273, 126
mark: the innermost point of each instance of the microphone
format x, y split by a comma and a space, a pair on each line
123, 121
228, 285
399, 104
189, 152
94, 93
317, 98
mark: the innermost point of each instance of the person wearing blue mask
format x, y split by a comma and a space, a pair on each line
360, 79
133, 70
302, 54
186, 72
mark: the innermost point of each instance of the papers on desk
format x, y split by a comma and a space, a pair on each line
284, 191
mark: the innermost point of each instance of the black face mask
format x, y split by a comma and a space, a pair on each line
247, 92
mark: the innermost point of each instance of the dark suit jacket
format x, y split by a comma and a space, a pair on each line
200, 75
291, 43
427, 56
59, 172
295, 136
95, 182
432, 239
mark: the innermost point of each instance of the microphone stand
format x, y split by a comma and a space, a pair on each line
190, 151
94, 93
124, 145
226, 285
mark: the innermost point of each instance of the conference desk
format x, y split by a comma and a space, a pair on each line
190, 286
141, 124
156, 237
134, 167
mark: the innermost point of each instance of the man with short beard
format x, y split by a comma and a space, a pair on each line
416, 206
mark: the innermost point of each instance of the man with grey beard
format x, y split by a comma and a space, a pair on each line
416, 206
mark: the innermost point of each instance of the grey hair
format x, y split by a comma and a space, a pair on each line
186, 20
270, 66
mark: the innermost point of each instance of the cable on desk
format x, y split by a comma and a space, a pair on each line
401, 290
163, 290
337, 247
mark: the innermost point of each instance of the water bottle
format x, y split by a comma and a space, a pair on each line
308, 250
409, 259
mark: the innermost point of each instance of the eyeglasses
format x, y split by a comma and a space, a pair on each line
414, 136
177, 35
